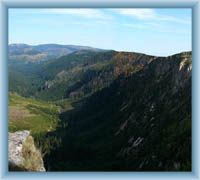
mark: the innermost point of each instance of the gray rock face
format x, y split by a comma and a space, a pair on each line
15, 141
15, 154
179, 66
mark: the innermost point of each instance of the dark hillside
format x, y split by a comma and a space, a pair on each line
140, 122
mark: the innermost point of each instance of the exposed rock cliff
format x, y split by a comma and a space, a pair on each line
23, 155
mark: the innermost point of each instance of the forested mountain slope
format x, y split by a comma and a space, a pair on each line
140, 122
130, 111
73, 76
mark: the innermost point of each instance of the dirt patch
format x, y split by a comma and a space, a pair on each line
18, 113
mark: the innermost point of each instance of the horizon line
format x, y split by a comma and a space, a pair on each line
182, 51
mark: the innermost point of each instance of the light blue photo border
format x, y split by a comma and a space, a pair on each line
193, 4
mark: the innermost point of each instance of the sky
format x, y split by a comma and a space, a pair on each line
159, 32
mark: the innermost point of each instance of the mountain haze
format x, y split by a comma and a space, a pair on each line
42, 52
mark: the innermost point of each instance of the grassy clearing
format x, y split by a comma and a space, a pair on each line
30, 114
39, 117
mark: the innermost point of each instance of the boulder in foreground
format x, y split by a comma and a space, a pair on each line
23, 155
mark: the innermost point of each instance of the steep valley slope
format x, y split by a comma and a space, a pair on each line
73, 76
131, 112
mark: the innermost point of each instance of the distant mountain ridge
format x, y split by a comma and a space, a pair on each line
43, 52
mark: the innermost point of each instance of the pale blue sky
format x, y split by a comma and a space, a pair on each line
151, 31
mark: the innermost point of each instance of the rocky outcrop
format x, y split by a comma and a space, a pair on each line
178, 66
23, 155
184, 72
